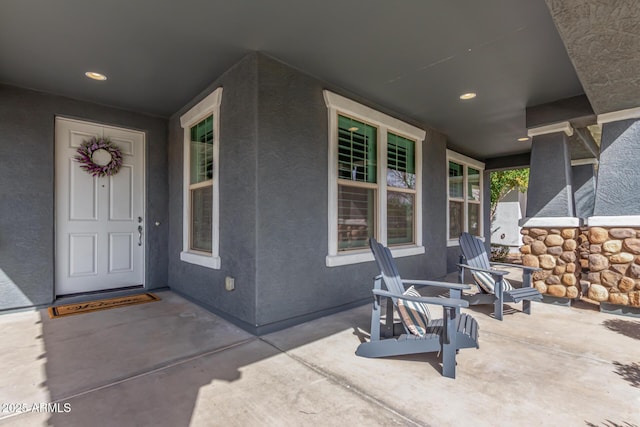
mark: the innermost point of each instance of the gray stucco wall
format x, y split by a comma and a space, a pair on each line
292, 278
549, 193
238, 159
273, 203
618, 178
27, 138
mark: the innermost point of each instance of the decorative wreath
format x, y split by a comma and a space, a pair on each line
87, 163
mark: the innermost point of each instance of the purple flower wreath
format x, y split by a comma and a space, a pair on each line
85, 153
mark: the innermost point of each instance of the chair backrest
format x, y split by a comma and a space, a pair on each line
387, 267
474, 251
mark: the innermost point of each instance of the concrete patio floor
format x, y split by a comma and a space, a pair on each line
172, 363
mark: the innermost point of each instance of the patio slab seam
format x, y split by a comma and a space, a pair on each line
347, 385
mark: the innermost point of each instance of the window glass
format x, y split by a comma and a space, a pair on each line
473, 180
400, 212
201, 203
456, 185
202, 151
356, 150
401, 162
456, 219
356, 216
474, 219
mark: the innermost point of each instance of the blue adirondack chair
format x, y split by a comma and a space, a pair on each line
447, 335
494, 288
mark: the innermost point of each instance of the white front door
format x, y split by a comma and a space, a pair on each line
99, 221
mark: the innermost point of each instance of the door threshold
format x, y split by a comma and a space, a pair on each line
105, 293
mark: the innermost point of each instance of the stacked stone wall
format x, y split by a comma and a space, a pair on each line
613, 262
554, 250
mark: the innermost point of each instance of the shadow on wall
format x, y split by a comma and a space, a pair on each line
11, 293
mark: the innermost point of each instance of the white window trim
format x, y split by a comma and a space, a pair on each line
337, 104
466, 162
208, 106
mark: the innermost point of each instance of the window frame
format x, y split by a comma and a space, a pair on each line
466, 163
339, 105
210, 105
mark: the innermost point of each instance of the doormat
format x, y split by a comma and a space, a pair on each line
101, 304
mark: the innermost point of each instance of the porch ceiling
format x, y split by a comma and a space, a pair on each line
413, 57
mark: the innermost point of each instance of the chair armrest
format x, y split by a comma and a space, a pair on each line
495, 272
457, 286
447, 302
516, 266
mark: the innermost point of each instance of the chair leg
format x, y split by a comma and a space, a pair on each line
388, 325
375, 319
498, 304
456, 294
449, 344
526, 282
497, 308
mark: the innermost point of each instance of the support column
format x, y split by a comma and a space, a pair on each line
618, 192
550, 229
549, 193
614, 228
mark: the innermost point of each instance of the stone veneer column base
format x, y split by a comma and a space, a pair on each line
613, 262
553, 250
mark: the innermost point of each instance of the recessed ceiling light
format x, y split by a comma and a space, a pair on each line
523, 139
95, 76
353, 129
468, 95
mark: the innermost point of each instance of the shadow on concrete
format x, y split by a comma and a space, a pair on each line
629, 373
432, 358
488, 310
361, 327
627, 328
609, 423
141, 365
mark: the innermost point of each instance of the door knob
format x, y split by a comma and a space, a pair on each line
139, 235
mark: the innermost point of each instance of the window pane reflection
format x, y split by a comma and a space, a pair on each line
356, 207
456, 187
473, 192
201, 218
400, 208
456, 219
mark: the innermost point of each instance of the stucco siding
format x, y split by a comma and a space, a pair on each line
27, 190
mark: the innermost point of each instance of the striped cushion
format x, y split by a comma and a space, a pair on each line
414, 314
486, 282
